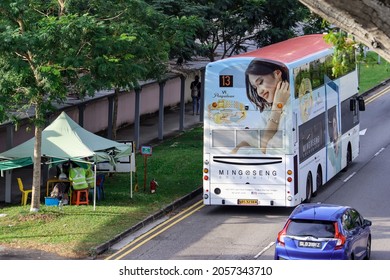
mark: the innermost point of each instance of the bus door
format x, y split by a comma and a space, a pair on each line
333, 128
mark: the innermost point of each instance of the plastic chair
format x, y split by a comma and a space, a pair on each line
100, 186
79, 197
25, 193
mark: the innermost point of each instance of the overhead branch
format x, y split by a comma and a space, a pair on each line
366, 20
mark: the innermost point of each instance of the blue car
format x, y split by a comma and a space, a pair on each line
316, 231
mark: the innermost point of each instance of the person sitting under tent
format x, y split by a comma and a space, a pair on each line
78, 178
89, 177
60, 191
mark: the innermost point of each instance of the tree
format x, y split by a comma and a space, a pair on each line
183, 26
228, 27
225, 25
314, 24
43, 50
367, 20
51, 48
280, 21
142, 40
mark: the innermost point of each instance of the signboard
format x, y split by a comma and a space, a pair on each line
146, 150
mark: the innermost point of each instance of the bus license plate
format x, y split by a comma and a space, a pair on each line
248, 202
309, 244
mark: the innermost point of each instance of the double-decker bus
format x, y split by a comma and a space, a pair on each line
278, 124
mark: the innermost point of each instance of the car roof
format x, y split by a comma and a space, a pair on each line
318, 211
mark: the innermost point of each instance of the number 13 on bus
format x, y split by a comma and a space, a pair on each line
278, 124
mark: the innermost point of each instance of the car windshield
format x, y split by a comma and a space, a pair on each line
314, 228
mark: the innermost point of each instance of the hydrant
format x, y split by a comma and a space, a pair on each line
153, 186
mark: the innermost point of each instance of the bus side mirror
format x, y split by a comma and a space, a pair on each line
362, 105
352, 104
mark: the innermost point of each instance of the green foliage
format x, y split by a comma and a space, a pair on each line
314, 24
228, 26
225, 24
48, 50
344, 52
280, 20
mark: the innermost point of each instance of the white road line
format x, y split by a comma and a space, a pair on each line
363, 131
378, 152
265, 249
349, 177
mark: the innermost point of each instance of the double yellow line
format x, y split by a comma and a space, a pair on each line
377, 95
141, 240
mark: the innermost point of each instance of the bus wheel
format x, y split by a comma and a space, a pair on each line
318, 180
349, 158
309, 187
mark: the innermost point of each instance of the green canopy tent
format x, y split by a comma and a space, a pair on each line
62, 140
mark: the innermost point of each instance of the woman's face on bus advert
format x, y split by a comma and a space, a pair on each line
265, 85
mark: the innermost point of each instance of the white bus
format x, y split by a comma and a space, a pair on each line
277, 124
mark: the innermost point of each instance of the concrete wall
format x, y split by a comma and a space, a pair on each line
96, 109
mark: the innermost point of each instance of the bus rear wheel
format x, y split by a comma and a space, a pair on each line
309, 187
318, 181
349, 158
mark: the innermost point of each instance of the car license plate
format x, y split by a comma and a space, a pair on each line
309, 244
248, 202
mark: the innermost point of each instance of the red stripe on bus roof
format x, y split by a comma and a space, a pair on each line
291, 49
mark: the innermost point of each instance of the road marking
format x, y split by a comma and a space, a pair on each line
363, 132
377, 95
349, 177
378, 152
264, 250
165, 225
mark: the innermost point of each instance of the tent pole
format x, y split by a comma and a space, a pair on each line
94, 189
131, 184
132, 161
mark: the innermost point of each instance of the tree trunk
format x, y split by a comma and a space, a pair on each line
36, 184
367, 20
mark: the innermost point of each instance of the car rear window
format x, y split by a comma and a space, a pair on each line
320, 229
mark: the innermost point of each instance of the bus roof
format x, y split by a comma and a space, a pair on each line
292, 49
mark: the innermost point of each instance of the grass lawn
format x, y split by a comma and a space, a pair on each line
371, 73
176, 165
